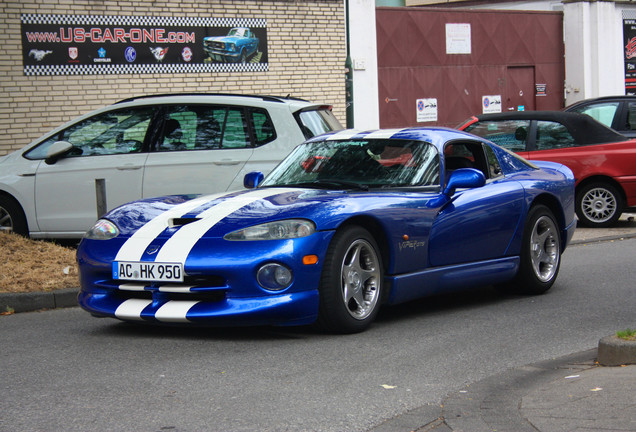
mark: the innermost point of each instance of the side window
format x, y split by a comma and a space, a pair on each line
262, 126
316, 122
553, 135
115, 132
235, 130
469, 154
510, 134
603, 112
494, 169
203, 128
631, 116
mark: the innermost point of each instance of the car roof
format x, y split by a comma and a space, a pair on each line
583, 128
599, 99
434, 135
224, 96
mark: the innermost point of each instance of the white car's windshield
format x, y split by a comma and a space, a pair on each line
359, 163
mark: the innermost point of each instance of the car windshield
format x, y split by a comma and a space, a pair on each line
358, 164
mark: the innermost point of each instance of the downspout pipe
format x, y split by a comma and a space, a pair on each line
348, 73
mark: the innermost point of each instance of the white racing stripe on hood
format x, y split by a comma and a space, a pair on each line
177, 248
134, 247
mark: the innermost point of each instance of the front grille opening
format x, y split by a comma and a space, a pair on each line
205, 281
203, 296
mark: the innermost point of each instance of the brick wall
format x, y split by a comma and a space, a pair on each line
306, 49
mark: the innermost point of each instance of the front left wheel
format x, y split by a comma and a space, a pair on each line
540, 253
12, 217
351, 282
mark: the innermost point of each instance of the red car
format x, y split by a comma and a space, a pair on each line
603, 160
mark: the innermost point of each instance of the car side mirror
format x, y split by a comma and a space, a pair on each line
253, 179
57, 150
467, 178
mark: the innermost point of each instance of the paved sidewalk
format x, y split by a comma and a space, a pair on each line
571, 393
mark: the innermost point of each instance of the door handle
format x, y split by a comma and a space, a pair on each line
226, 162
128, 167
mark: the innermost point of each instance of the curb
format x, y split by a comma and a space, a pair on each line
25, 302
614, 351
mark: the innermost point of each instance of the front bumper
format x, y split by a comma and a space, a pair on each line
284, 309
223, 56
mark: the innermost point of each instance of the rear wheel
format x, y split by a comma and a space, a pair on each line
540, 253
12, 217
351, 282
598, 205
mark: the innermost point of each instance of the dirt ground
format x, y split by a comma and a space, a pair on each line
35, 265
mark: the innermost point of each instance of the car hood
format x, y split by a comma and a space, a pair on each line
213, 216
226, 39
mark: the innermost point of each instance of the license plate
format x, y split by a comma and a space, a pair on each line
148, 271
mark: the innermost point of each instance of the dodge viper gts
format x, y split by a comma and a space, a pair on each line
348, 222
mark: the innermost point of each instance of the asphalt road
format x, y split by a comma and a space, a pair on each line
63, 370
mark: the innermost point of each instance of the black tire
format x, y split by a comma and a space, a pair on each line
243, 58
351, 282
12, 217
598, 205
540, 253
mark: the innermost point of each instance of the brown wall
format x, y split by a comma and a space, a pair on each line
510, 53
306, 50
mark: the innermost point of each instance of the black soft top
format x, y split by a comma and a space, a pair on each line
583, 128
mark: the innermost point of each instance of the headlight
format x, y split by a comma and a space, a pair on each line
102, 230
279, 230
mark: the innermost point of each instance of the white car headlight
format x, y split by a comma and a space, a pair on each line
102, 230
279, 230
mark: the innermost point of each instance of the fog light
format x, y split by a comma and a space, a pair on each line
274, 277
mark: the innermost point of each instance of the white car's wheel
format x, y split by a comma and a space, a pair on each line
12, 217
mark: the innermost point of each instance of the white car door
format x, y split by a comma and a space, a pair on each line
202, 149
108, 150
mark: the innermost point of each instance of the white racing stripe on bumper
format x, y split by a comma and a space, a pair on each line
132, 287
131, 309
174, 311
134, 247
177, 248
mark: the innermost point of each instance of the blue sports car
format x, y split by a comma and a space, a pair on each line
239, 44
347, 222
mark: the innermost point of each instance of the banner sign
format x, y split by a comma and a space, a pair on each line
629, 40
85, 45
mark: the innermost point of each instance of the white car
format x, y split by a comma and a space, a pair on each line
57, 186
